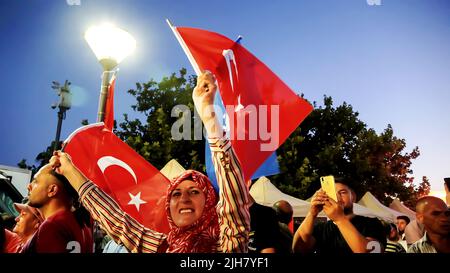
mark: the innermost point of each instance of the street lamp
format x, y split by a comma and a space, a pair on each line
64, 104
110, 45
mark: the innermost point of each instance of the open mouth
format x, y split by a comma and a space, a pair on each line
184, 211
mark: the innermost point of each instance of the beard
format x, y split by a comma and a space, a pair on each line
34, 204
348, 210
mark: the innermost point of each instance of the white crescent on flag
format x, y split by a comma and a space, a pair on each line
107, 161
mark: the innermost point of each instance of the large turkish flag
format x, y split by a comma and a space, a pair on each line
137, 186
250, 91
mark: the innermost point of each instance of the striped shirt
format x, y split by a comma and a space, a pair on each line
422, 246
232, 209
394, 247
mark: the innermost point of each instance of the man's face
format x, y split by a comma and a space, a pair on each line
38, 189
401, 225
435, 217
345, 197
26, 224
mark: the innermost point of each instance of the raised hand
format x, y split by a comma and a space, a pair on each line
62, 164
317, 202
203, 96
334, 210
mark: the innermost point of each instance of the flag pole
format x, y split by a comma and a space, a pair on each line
185, 48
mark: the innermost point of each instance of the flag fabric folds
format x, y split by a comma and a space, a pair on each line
267, 168
262, 110
137, 186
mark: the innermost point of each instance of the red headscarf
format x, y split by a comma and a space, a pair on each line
203, 234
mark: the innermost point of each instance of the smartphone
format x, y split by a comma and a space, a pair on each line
327, 183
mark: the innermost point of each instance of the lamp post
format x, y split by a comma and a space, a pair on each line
64, 104
110, 45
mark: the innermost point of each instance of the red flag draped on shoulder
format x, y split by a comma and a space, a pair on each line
137, 186
262, 110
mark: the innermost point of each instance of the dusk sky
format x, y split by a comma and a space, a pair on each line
391, 62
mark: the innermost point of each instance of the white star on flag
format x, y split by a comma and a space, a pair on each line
136, 200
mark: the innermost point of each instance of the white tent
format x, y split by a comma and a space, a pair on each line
265, 193
172, 169
364, 211
398, 206
370, 202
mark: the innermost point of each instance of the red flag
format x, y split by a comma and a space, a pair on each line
271, 110
291, 225
137, 186
109, 107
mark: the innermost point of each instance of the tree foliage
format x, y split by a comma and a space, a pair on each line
41, 159
152, 139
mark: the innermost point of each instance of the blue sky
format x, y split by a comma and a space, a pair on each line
390, 62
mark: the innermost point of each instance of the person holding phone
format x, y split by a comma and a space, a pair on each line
345, 232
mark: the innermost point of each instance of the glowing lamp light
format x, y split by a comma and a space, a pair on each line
110, 44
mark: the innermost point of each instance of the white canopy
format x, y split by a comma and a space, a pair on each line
398, 206
265, 193
369, 201
172, 169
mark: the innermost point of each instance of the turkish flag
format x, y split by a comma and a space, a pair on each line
262, 110
137, 186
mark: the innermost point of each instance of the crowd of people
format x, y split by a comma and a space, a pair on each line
64, 206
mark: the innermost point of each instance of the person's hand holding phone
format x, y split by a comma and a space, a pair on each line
317, 202
333, 210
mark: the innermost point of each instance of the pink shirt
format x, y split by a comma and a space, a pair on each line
13, 243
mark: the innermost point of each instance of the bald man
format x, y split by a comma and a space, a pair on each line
434, 214
284, 214
62, 231
284, 211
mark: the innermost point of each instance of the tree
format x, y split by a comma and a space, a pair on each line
321, 146
42, 158
422, 190
153, 139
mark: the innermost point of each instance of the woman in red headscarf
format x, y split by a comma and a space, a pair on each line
198, 221
191, 211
